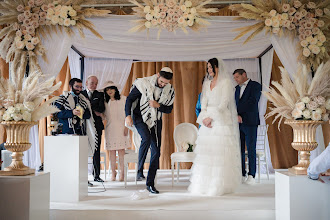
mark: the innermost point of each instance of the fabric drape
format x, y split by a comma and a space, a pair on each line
75, 64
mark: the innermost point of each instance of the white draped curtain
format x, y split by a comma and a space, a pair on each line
31, 157
251, 66
74, 64
116, 70
286, 50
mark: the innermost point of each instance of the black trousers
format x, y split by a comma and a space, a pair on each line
150, 139
96, 156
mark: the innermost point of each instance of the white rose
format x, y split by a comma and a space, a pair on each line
327, 104
19, 44
325, 117
73, 13
311, 5
17, 117
272, 13
154, 22
285, 7
50, 12
26, 116
30, 46
316, 50
35, 40
191, 17
183, 8
306, 114
147, 24
55, 20
156, 9
300, 105
188, 4
20, 8
149, 17
11, 110
285, 16
63, 14
181, 20
146, 9
193, 10
314, 41
268, 22
7, 116
326, 11
297, 4
305, 99
276, 23
190, 23
318, 110
319, 100
67, 22
73, 22
296, 113
304, 43
321, 38
312, 105
170, 3
276, 30
306, 52
19, 106
316, 116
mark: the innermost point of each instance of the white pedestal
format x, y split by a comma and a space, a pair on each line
65, 158
299, 198
25, 197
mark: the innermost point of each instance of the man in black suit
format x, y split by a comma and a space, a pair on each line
96, 99
247, 96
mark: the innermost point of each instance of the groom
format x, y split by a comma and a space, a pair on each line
247, 96
149, 98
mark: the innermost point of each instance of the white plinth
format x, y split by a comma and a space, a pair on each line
299, 198
25, 197
65, 158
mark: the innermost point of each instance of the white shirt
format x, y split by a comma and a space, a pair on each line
243, 86
89, 93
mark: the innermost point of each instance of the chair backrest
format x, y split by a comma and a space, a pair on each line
136, 140
184, 132
261, 137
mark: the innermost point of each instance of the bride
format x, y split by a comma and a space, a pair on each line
217, 166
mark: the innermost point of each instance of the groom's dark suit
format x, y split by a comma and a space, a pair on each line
247, 108
97, 104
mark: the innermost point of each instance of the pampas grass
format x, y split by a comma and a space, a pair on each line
284, 96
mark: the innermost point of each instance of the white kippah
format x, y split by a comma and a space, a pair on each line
166, 69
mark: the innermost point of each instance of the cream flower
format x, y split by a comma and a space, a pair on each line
55, 20
21, 17
39, 2
303, 12
29, 106
327, 104
17, 117
297, 4
320, 23
306, 52
298, 16
146, 9
193, 10
154, 22
284, 16
300, 106
170, 3
35, 40
149, 17
29, 46
30, 30
316, 30
316, 50
319, 44
318, 12
185, 15
314, 41
296, 113
147, 24
308, 33
318, 110
312, 105
44, 8
326, 11
311, 5
19, 33
28, 37
292, 11
73, 22
170, 12
20, 8
183, 8
61, 21
26, 116
162, 14
276, 23
321, 38
11, 110
165, 8
169, 19
272, 13
181, 20
286, 23
19, 44
292, 27
64, 14
73, 13
188, 4
31, 3
156, 9
325, 117
307, 114
285, 7
268, 22
190, 23
50, 12
304, 43
316, 116
309, 39
7, 116
176, 17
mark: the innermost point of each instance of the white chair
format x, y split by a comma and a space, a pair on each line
261, 151
184, 132
133, 156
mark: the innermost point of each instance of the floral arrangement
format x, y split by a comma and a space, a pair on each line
28, 20
171, 15
23, 100
307, 20
187, 147
298, 99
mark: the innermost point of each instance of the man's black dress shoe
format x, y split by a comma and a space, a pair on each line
98, 179
140, 177
90, 184
152, 189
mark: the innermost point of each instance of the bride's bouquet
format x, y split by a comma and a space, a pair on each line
187, 147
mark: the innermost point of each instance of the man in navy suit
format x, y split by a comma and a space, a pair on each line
247, 96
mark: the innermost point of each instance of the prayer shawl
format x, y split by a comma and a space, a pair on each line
146, 87
67, 101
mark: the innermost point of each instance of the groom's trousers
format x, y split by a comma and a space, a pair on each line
150, 139
248, 135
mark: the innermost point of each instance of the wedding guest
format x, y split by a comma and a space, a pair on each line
320, 164
153, 96
96, 99
116, 134
247, 96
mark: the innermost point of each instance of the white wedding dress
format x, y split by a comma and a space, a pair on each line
217, 167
